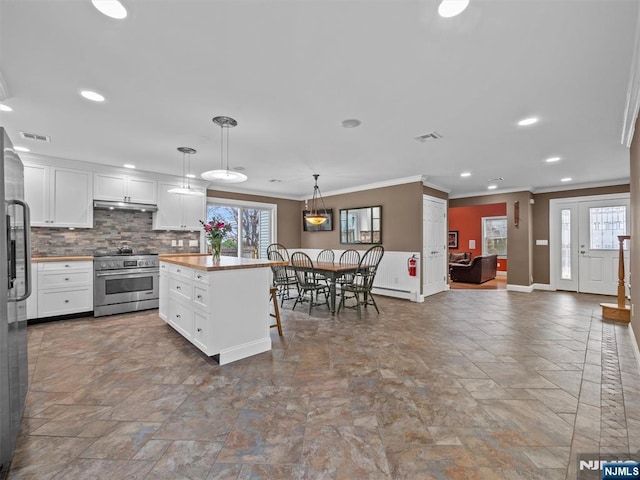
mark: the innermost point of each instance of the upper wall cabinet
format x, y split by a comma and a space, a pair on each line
58, 197
179, 212
124, 188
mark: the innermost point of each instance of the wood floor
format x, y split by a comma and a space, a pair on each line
498, 283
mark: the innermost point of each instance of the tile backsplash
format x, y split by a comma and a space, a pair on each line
110, 229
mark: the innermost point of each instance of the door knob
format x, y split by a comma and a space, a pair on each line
582, 252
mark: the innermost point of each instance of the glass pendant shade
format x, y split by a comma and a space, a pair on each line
186, 183
224, 175
315, 217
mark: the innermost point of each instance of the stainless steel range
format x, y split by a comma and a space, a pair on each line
124, 282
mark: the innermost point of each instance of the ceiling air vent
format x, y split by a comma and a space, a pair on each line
428, 136
35, 136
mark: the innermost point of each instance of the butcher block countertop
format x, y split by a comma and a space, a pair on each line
205, 262
74, 258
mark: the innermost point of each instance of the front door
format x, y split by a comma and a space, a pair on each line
434, 233
584, 242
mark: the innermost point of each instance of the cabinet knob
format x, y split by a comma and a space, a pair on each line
178, 287
199, 277
199, 329
199, 297
66, 301
177, 315
66, 279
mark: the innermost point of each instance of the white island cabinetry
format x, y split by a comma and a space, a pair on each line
222, 309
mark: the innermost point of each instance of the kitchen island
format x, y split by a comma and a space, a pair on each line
222, 308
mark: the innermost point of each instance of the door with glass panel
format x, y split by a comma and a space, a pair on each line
584, 242
599, 224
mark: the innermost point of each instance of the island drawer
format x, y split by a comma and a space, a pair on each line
180, 287
201, 296
182, 271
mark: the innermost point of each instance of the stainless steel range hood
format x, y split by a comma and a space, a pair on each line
138, 207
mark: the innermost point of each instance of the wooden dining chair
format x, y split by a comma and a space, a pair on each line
284, 278
362, 281
307, 280
348, 257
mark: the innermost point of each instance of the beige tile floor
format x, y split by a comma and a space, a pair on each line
467, 385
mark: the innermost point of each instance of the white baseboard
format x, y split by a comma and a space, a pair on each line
520, 288
543, 286
501, 272
413, 296
245, 350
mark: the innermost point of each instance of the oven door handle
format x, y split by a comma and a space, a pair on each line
128, 272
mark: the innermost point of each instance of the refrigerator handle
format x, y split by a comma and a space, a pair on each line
26, 223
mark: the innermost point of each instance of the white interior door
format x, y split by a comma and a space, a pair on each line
434, 234
584, 244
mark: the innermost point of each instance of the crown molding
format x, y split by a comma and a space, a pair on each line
632, 104
371, 186
579, 186
492, 192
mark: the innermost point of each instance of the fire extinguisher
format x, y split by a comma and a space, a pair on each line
412, 264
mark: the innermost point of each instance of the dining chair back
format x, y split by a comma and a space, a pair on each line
348, 257
281, 249
326, 255
307, 280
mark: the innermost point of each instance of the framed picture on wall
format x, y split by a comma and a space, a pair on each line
323, 227
453, 238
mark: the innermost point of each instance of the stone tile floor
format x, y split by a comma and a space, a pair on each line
467, 385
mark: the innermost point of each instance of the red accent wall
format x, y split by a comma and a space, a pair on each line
468, 222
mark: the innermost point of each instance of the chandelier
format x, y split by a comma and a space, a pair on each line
186, 169
316, 216
223, 174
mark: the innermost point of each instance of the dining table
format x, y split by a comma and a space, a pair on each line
332, 271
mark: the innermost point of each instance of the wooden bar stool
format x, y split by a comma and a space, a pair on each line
273, 291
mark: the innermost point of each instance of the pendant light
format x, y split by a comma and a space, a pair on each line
224, 175
315, 217
186, 183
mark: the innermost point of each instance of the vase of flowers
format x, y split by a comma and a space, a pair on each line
215, 230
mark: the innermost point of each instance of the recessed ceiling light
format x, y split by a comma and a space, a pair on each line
190, 175
275, 180
451, 8
528, 121
566, 179
5, 108
21, 149
552, 159
492, 187
93, 96
351, 123
110, 8
128, 165
465, 174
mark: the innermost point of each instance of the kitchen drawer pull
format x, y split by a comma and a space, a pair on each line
199, 329
199, 277
66, 279
178, 287
199, 297
177, 315
66, 301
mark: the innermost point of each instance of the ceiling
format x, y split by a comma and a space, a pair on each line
291, 71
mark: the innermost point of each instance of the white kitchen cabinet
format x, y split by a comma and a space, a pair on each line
179, 212
58, 197
124, 188
64, 288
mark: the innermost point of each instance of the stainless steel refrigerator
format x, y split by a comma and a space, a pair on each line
15, 287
